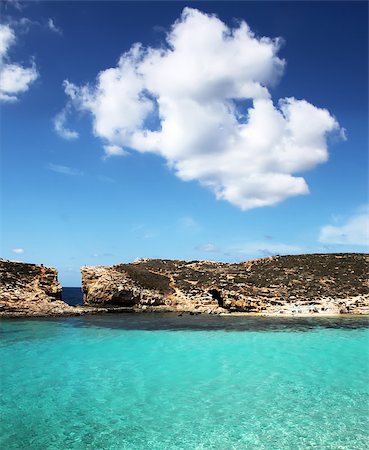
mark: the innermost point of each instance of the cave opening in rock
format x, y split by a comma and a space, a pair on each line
123, 298
216, 296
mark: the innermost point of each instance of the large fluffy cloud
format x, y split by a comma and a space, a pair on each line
14, 78
202, 102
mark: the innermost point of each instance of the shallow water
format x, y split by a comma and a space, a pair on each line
157, 381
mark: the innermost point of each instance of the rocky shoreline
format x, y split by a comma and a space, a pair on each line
301, 285
31, 290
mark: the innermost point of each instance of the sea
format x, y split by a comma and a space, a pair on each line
72, 295
164, 381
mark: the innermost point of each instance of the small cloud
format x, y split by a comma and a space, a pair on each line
188, 222
264, 252
51, 25
113, 150
7, 38
65, 170
14, 78
159, 29
22, 25
15, 4
60, 128
18, 251
259, 249
208, 248
354, 231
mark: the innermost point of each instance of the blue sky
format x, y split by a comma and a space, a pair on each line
183, 149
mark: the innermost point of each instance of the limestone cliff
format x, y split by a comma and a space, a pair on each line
320, 283
30, 290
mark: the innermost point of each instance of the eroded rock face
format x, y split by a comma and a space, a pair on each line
323, 283
30, 290
125, 285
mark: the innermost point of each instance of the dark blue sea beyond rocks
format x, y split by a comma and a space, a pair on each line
73, 295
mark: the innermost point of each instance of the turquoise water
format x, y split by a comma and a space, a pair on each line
167, 382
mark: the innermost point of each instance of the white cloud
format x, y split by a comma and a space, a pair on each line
18, 251
262, 249
15, 3
59, 125
188, 222
65, 170
14, 78
354, 231
208, 248
114, 150
253, 249
51, 25
203, 104
7, 38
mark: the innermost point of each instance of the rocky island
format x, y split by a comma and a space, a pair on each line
301, 284
31, 290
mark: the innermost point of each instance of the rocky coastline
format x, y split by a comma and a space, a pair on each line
328, 284
33, 290
312, 284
